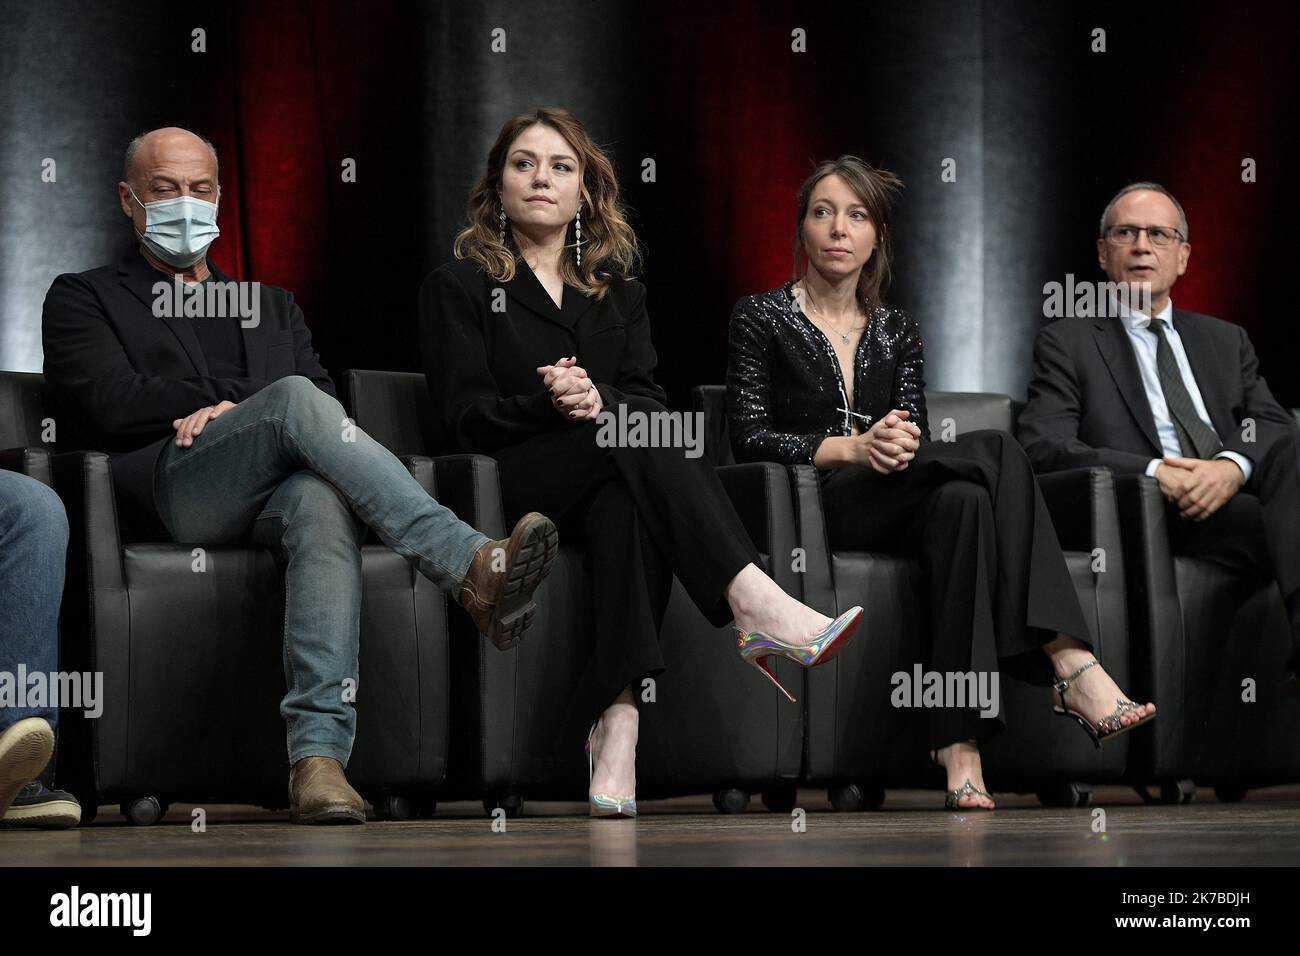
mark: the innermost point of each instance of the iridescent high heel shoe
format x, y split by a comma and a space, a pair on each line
602, 804
755, 647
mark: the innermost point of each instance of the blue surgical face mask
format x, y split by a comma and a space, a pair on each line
178, 231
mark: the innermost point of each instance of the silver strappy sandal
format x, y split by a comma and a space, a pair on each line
1107, 727
967, 789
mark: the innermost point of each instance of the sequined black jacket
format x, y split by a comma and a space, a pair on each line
785, 391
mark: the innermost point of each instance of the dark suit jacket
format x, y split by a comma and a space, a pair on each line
1087, 405
481, 364
118, 375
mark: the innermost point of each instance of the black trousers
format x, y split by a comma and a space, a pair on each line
971, 512
643, 514
1257, 531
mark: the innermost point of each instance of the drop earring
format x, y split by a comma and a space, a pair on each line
501, 214
577, 235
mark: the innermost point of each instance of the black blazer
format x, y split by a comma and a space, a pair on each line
117, 375
481, 362
1087, 405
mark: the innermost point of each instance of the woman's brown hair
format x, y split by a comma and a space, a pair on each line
877, 189
609, 246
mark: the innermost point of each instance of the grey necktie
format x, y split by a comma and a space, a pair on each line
1193, 434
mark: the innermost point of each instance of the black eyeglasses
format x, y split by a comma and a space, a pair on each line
1126, 235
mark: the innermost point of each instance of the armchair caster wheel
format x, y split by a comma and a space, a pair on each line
1070, 793
511, 801
1229, 793
393, 806
1172, 792
846, 798
143, 811
852, 797
1176, 792
781, 799
732, 800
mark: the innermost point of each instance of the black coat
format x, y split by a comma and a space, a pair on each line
1087, 405
481, 364
117, 375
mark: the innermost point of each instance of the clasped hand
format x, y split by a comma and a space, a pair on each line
1198, 487
889, 445
574, 395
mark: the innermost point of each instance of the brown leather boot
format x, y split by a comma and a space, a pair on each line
498, 588
319, 793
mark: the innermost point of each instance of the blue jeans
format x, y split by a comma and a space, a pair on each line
286, 468
33, 543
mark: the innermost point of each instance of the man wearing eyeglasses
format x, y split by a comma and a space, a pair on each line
1175, 395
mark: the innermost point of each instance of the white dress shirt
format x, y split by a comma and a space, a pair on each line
1145, 343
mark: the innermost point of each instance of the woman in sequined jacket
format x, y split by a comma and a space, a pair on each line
821, 371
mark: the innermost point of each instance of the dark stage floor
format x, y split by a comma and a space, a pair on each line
1264, 829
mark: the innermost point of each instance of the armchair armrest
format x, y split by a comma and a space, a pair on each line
84, 480
1146, 538
421, 469
1155, 612
760, 493
468, 485
810, 521
32, 462
1084, 511
94, 625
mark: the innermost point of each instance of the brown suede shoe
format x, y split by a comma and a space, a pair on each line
498, 589
319, 793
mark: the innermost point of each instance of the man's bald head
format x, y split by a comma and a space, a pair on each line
170, 144
166, 164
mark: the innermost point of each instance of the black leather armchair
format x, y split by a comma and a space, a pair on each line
714, 726
1199, 634
857, 744
191, 660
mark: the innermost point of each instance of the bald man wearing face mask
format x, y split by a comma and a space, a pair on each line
226, 428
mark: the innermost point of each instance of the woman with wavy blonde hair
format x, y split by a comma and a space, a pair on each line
534, 331
601, 235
